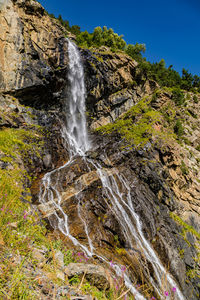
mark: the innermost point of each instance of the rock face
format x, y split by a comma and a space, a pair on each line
163, 176
33, 52
113, 85
154, 201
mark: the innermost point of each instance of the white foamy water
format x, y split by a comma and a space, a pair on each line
76, 130
75, 133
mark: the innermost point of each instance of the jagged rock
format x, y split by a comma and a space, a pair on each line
32, 48
97, 275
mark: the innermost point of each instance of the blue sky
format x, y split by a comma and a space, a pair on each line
170, 29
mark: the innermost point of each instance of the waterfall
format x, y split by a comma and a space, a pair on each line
75, 133
76, 130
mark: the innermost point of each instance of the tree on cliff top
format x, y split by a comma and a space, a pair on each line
101, 37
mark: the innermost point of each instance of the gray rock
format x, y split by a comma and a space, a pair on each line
59, 258
97, 275
38, 255
60, 275
47, 160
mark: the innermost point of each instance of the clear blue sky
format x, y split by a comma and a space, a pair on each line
169, 28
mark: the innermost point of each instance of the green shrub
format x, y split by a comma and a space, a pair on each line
195, 98
101, 37
198, 147
178, 128
135, 51
178, 97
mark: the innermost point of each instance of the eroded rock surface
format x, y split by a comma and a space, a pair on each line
33, 51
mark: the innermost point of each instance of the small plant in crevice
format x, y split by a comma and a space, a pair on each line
178, 128
184, 169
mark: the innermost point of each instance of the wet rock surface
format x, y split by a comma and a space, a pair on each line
153, 200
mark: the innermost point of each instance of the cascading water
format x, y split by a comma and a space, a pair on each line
75, 133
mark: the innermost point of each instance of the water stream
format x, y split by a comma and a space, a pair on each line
75, 133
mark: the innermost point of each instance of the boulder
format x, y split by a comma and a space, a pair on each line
95, 274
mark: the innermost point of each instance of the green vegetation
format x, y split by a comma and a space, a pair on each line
16, 143
135, 51
178, 129
168, 76
101, 37
196, 100
178, 96
18, 225
138, 126
181, 253
19, 141
191, 272
186, 227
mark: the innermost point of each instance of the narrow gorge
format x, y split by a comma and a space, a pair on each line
100, 194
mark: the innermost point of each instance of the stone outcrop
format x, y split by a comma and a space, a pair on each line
97, 275
113, 85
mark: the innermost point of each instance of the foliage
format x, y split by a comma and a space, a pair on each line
138, 126
178, 128
14, 142
168, 76
14, 197
187, 227
135, 51
178, 96
101, 37
195, 99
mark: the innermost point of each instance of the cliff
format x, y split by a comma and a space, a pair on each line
138, 133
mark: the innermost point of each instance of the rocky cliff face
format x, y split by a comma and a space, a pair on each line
33, 52
161, 169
